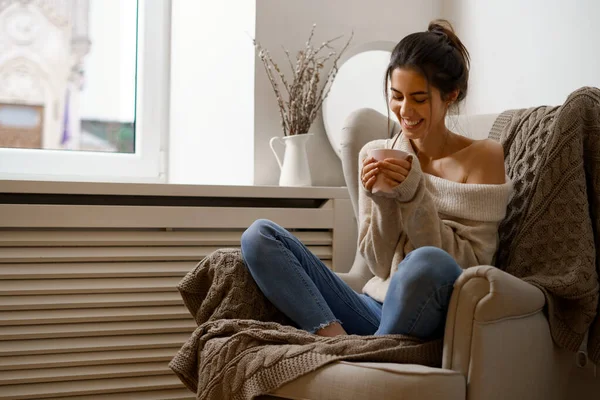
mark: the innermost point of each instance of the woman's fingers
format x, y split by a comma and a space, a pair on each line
391, 182
369, 162
394, 171
369, 170
397, 170
396, 165
396, 177
402, 162
370, 182
369, 175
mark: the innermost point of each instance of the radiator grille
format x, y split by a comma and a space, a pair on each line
94, 313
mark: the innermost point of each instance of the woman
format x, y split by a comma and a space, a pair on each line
442, 215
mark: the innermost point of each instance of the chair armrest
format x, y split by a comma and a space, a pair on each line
503, 295
485, 294
498, 336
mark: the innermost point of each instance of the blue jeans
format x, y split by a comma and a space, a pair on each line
311, 295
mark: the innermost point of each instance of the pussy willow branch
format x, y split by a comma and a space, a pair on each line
267, 61
302, 100
329, 81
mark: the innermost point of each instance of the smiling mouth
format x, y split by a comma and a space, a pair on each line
411, 124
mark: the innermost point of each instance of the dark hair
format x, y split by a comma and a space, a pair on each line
438, 54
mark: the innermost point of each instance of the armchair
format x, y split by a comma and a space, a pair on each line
497, 342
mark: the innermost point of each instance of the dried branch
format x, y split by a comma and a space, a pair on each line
305, 90
330, 77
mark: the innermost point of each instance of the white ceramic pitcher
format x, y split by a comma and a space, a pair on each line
294, 168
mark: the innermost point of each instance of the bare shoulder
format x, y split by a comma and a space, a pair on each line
486, 163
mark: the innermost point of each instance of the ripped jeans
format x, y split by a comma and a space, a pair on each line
310, 294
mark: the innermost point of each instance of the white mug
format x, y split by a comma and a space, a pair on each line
380, 184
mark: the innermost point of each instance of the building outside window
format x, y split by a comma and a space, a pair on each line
83, 85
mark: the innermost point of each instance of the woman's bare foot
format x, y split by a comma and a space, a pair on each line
333, 329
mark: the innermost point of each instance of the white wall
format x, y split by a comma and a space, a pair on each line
287, 23
109, 88
527, 53
212, 92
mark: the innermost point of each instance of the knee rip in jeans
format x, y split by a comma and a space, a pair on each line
325, 325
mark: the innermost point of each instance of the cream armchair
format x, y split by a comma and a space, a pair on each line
497, 342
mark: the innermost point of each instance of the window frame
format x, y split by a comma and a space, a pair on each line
148, 163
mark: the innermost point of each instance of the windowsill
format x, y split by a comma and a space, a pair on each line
168, 190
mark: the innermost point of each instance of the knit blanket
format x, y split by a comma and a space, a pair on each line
244, 347
551, 234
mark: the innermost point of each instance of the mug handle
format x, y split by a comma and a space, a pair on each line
271, 143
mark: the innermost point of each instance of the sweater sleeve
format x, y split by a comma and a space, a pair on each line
469, 244
379, 225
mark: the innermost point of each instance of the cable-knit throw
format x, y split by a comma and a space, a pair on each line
551, 234
244, 347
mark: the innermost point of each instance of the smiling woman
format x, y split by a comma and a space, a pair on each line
428, 74
69, 83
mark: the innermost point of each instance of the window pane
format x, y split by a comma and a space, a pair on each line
68, 74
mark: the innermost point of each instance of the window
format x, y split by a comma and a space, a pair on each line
84, 88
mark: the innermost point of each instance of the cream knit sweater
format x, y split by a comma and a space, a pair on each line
425, 210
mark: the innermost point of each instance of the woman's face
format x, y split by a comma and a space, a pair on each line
418, 110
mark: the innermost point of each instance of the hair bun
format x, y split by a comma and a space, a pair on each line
444, 27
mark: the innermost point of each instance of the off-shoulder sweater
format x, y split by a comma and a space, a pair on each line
425, 210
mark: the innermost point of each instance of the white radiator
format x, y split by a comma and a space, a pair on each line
88, 301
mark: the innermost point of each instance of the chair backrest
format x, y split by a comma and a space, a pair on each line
472, 126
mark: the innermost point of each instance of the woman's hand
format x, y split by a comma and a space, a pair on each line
394, 170
369, 173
